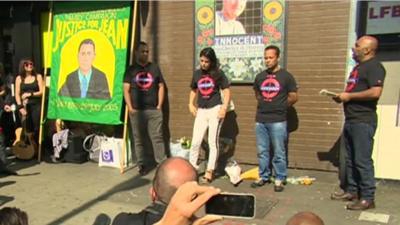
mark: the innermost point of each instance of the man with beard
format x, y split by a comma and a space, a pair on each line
364, 87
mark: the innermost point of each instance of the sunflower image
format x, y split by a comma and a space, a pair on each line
273, 10
205, 15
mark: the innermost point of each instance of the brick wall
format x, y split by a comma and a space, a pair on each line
316, 49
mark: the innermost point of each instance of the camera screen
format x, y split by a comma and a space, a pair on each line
236, 205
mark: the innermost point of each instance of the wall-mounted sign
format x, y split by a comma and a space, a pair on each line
383, 17
238, 31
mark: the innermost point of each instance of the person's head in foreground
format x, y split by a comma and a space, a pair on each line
171, 174
305, 218
13, 216
187, 200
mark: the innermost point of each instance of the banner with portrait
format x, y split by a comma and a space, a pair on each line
238, 31
89, 55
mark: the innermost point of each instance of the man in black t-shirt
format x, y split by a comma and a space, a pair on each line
275, 90
144, 97
364, 87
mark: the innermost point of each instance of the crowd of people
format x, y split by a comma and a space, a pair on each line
175, 192
276, 90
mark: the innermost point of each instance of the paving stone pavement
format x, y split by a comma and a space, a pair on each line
74, 194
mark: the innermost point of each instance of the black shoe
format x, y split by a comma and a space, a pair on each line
259, 183
8, 171
361, 205
344, 196
142, 171
278, 186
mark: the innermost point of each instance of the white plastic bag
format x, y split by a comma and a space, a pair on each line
111, 152
233, 170
92, 144
178, 151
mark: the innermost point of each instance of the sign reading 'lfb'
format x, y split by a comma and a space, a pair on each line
383, 17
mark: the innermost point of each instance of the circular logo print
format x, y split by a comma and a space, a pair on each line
144, 80
270, 88
206, 86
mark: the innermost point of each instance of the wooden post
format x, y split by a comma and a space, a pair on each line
131, 59
45, 81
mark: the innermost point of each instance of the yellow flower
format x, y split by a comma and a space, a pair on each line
273, 10
205, 15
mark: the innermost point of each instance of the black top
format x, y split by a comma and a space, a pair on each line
150, 215
273, 89
144, 82
7, 98
30, 88
364, 76
208, 87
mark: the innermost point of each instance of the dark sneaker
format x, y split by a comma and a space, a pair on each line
344, 196
361, 205
259, 183
278, 186
142, 171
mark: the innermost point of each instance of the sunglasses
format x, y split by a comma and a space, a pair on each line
28, 64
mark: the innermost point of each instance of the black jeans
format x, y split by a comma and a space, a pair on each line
359, 142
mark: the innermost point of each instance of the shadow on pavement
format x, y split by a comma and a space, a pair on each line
131, 184
5, 199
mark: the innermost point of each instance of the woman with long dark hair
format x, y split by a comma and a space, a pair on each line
29, 86
210, 109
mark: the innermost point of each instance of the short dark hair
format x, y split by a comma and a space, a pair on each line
13, 216
141, 43
87, 42
273, 47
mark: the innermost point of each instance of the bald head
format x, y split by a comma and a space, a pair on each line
170, 175
369, 42
305, 218
365, 48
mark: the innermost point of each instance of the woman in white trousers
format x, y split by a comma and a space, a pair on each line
209, 109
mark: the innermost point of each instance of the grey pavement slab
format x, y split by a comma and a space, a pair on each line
76, 193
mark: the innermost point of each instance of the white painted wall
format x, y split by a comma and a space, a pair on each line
386, 153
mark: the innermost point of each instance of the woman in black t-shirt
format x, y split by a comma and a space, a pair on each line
29, 87
210, 110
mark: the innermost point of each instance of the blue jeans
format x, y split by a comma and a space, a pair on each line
275, 134
359, 142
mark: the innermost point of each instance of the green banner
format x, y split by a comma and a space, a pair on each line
89, 51
239, 31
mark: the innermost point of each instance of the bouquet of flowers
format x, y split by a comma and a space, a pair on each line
185, 142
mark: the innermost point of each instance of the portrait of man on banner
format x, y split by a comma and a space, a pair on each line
87, 81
